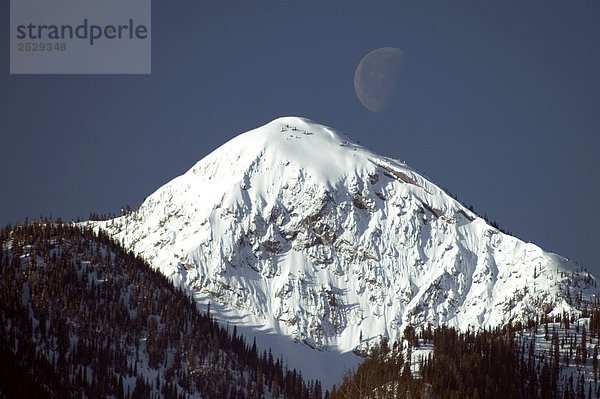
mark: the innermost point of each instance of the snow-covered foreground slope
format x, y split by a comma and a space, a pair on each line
295, 229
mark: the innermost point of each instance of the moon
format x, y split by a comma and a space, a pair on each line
376, 78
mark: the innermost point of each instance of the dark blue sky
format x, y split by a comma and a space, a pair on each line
498, 102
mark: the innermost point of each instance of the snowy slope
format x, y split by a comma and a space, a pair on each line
294, 229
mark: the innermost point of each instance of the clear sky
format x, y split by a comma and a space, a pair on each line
499, 102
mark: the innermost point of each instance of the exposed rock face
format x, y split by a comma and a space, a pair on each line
322, 240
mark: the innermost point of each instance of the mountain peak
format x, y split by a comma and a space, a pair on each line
284, 129
294, 229
287, 147
292, 137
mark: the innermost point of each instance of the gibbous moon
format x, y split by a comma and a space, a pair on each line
376, 77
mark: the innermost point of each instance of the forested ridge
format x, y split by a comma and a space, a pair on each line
80, 317
549, 358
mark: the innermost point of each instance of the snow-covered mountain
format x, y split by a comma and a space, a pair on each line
294, 229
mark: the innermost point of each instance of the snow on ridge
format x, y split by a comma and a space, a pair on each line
298, 229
